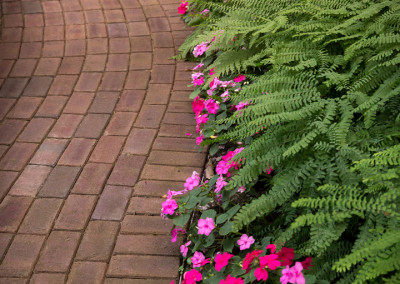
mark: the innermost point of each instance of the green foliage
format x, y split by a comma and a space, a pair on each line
324, 113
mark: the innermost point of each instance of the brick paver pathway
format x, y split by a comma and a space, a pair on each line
92, 134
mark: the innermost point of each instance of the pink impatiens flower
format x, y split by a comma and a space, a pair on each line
215, 83
261, 274
169, 206
286, 256
225, 95
220, 184
205, 12
198, 66
249, 259
200, 119
271, 247
212, 106
183, 8
307, 263
192, 276
197, 259
231, 280
174, 235
270, 260
293, 274
193, 181
205, 226
241, 105
245, 242
199, 139
241, 189
221, 260
198, 105
212, 71
239, 78
196, 80
184, 248
200, 49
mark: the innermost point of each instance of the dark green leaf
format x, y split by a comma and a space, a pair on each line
225, 229
182, 219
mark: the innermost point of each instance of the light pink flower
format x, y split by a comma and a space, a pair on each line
286, 275
239, 78
198, 66
174, 193
215, 83
212, 106
205, 12
192, 276
225, 95
200, 49
197, 259
221, 260
261, 274
174, 235
199, 139
245, 242
184, 248
196, 80
224, 84
169, 206
241, 189
193, 181
270, 260
182, 8
220, 184
205, 226
297, 276
210, 92
241, 105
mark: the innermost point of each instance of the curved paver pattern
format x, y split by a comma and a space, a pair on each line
92, 135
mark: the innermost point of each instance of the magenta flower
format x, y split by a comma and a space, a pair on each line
200, 49
199, 139
193, 181
188, 134
270, 260
215, 83
221, 260
307, 263
169, 206
272, 247
212, 106
205, 226
202, 119
184, 248
192, 276
261, 274
220, 184
245, 242
197, 259
174, 235
239, 78
231, 280
183, 8
286, 256
222, 167
198, 105
212, 71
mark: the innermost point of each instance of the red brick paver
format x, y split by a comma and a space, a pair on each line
93, 117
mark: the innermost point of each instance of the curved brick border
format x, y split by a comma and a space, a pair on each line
92, 134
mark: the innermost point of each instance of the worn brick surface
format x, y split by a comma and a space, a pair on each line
12, 211
87, 149
98, 241
92, 179
146, 244
87, 272
49, 152
139, 141
75, 212
107, 149
21, 255
58, 251
59, 182
144, 266
112, 203
77, 152
40, 216
126, 170
30, 180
